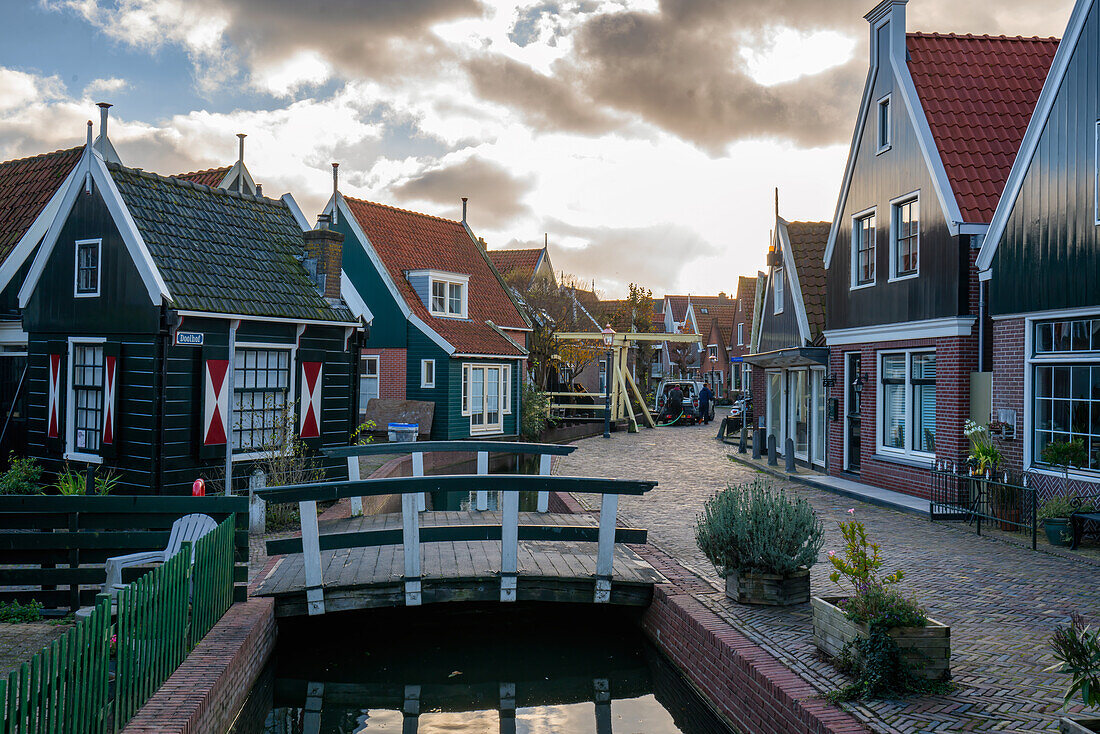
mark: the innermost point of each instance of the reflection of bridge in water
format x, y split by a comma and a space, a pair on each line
471, 556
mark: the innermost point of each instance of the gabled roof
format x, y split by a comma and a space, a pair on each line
26, 186
723, 315
978, 94
807, 247
406, 240
210, 177
679, 306
521, 262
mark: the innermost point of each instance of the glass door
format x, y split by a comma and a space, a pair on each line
853, 395
800, 412
818, 434
775, 409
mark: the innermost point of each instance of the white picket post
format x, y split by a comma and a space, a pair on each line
509, 546
544, 470
353, 476
410, 536
605, 551
482, 503
311, 557
418, 471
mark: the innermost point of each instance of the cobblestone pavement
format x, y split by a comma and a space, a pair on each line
1001, 600
19, 642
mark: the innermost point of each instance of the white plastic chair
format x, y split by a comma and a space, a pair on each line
188, 528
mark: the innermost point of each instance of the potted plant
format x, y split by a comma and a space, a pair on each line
763, 542
1077, 648
983, 452
884, 637
1054, 515
1065, 454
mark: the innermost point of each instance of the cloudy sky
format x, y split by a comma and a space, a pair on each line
644, 136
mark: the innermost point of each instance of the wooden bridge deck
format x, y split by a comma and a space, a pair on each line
367, 577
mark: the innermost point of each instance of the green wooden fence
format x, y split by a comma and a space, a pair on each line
160, 618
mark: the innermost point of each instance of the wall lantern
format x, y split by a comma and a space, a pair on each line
857, 385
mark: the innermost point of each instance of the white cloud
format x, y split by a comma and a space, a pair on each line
785, 54
285, 77
105, 86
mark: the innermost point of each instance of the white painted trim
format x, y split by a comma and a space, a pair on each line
903, 331
853, 150
1096, 176
1030, 142
895, 203
440, 275
973, 229
792, 278
265, 319
71, 453
235, 172
38, 229
447, 280
1065, 313
514, 357
291, 388
98, 242
486, 428
12, 334
353, 300
296, 211
424, 381
853, 252
888, 452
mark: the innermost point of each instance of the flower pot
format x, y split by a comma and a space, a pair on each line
748, 587
927, 650
1079, 724
1058, 531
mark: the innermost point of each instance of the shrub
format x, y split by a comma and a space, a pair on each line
70, 481
1077, 649
16, 613
883, 606
535, 412
751, 527
1061, 507
21, 477
860, 564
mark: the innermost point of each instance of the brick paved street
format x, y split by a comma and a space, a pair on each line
19, 642
1001, 600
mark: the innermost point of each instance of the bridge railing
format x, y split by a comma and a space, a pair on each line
412, 535
545, 452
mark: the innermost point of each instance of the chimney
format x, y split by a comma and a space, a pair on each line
335, 191
464, 210
259, 189
103, 107
887, 22
482, 245
240, 147
325, 246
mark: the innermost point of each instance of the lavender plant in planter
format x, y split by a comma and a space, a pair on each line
762, 541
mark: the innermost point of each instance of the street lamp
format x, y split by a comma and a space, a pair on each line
608, 340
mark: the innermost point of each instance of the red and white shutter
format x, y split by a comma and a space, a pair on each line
215, 404
310, 418
111, 365
53, 417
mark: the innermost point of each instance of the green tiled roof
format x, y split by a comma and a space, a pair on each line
223, 252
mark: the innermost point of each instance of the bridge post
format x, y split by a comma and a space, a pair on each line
410, 710
509, 546
353, 476
311, 716
410, 536
311, 557
605, 549
603, 705
544, 470
482, 502
507, 708
418, 471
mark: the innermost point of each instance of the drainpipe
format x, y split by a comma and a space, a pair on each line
233, 324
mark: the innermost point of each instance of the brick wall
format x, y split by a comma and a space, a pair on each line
956, 358
391, 372
206, 692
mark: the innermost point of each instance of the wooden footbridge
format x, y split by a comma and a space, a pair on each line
418, 557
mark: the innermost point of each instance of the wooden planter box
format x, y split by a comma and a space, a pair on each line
747, 587
926, 649
1079, 725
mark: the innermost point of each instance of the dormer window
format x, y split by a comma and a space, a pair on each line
445, 294
87, 268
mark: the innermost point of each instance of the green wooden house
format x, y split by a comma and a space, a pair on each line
445, 329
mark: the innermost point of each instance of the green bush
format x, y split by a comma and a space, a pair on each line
21, 477
534, 416
15, 613
751, 527
70, 482
1061, 507
1077, 649
885, 607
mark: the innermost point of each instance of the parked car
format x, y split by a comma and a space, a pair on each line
691, 390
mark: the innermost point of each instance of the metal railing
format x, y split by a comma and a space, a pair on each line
1002, 499
411, 535
67, 688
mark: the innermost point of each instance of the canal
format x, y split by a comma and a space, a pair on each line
464, 669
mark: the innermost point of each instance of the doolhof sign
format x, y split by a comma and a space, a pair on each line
188, 339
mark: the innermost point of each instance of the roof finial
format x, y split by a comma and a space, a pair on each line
240, 147
777, 202
464, 199
89, 133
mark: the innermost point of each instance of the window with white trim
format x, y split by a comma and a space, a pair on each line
448, 298
741, 335
86, 281
86, 393
863, 250
427, 373
712, 352
261, 392
777, 290
368, 380
884, 124
1065, 387
486, 396
907, 399
906, 253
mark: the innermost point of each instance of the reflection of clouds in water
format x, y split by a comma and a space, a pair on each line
555, 719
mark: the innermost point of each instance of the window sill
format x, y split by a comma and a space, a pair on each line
861, 286
913, 461
77, 456
898, 278
883, 149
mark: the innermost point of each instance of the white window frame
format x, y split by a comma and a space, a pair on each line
741, 334
291, 390
712, 352
884, 141
504, 375
1096, 176
376, 358
777, 291
449, 280
895, 212
425, 366
98, 268
907, 452
1031, 360
854, 284
71, 452
775, 424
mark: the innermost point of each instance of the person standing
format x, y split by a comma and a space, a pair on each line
705, 396
675, 403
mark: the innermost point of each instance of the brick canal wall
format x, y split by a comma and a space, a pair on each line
206, 692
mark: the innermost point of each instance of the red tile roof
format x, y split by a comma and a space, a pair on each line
406, 240
522, 262
978, 93
211, 177
679, 306
808, 241
724, 314
26, 186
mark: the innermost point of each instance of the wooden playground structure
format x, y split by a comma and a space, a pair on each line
620, 382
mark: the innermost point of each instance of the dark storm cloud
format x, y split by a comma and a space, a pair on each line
496, 195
